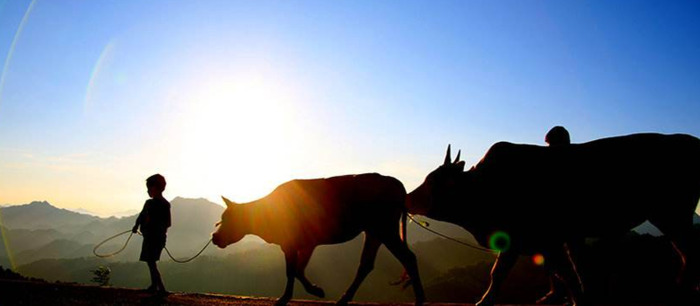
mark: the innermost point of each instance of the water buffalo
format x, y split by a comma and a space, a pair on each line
302, 214
526, 199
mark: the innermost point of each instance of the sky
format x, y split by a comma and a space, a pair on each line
235, 97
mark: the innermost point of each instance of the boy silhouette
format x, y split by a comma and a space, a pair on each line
556, 137
154, 220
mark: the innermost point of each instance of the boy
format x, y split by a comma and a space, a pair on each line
154, 220
557, 136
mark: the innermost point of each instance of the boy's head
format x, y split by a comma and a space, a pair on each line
557, 136
155, 184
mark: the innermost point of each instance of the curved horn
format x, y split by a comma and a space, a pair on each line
448, 157
457, 159
228, 202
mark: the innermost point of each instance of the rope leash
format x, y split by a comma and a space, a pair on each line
419, 223
479, 248
94, 250
189, 259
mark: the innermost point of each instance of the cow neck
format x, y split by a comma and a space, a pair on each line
259, 219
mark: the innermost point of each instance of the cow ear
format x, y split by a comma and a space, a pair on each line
460, 164
448, 156
228, 202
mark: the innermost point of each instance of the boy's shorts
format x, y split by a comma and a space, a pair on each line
152, 247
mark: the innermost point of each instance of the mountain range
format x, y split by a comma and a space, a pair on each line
39, 230
56, 244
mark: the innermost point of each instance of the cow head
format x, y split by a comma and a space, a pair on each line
438, 187
232, 226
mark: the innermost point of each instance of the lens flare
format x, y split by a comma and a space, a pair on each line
499, 241
7, 244
538, 259
18, 33
106, 52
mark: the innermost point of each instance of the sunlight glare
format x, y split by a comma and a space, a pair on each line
237, 136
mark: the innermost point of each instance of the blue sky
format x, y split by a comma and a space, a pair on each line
235, 97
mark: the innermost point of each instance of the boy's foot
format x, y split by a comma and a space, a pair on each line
162, 292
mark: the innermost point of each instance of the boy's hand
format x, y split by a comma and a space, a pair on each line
135, 229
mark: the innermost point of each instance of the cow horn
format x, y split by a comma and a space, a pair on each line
448, 157
458, 153
228, 202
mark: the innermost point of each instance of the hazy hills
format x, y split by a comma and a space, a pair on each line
39, 230
635, 269
42, 215
56, 244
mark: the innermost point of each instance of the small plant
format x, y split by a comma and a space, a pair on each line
101, 276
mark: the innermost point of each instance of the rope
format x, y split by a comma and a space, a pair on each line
450, 238
94, 250
188, 259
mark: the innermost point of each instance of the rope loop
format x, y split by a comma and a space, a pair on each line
94, 250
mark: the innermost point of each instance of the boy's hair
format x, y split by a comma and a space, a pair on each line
157, 181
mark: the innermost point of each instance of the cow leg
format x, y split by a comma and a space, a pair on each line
290, 256
501, 267
685, 242
303, 257
400, 250
369, 253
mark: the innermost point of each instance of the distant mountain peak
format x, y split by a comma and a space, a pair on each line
40, 203
192, 201
178, 198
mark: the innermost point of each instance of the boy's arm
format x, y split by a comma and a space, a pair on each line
139, 219
168, 222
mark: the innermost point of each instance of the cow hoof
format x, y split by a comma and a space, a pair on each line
316, 291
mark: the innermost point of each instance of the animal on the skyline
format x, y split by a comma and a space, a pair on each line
300, 215
512, 199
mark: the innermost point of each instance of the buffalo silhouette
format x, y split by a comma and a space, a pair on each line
527, 199
302, 214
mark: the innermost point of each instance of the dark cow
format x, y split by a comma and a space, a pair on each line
302, 214
531, 199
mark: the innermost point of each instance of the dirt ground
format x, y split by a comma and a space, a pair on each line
40, 293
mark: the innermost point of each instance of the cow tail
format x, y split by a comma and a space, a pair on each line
404, 280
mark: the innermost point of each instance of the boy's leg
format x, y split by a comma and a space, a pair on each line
156, 280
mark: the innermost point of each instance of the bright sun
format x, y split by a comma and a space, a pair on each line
237, 138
